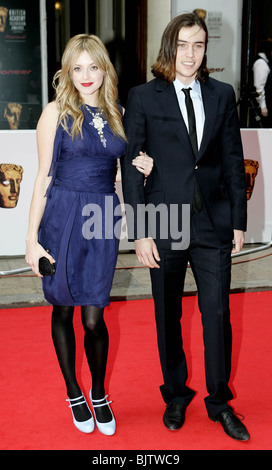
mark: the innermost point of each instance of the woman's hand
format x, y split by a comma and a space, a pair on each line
143, 163
34, 252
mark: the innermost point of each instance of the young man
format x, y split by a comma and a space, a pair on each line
198, 163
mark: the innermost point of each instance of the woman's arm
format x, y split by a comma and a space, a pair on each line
143, 162
46, 131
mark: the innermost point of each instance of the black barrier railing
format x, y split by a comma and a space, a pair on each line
234, 255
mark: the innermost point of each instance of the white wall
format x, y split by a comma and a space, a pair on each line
159, 15
20, 147
257, 145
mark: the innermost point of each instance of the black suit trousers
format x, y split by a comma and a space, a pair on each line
210, 261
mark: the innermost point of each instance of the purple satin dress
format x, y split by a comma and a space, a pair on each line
82, 218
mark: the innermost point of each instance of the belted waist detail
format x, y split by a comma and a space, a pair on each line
86, 176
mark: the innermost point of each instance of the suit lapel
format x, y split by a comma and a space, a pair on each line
167, 99
210, 103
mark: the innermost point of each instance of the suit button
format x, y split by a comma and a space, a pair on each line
196, 167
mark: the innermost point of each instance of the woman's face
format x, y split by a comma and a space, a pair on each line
87, 78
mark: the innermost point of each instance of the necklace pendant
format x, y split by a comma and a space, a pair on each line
98, 123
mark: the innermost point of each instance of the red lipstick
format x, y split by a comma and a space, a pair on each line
87, 84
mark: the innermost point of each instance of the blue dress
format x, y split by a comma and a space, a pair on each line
81, 222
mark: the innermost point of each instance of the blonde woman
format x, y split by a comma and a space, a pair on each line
74, 217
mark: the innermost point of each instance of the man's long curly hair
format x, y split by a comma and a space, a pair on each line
165, 66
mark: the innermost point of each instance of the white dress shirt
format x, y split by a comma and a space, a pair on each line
197, 103
261, 70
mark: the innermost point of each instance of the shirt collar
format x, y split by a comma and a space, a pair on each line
195, 85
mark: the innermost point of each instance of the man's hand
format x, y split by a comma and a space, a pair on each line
239, 240
147, 253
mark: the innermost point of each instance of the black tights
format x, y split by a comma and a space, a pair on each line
96, 342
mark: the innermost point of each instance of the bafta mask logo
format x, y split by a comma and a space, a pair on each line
251, 167
3, 18
10, 179
201, 13
12, 114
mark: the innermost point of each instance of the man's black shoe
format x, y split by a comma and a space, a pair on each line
174, 416
232, 425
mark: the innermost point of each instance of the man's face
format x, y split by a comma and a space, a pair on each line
190, 53
9, 188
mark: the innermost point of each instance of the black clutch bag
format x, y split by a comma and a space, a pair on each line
45, 267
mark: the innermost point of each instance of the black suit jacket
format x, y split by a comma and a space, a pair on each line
154, 123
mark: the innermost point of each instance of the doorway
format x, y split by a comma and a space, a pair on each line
120, 24
256, 37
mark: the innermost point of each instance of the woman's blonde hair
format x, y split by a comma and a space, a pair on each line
68, 98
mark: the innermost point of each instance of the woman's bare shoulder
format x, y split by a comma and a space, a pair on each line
49, 116
51, 109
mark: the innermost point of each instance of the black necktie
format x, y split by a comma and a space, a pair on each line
191, 119
197, 205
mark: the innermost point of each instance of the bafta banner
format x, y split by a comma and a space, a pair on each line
223, 19
20, 64
20, 109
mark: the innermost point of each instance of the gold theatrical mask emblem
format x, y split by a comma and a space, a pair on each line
251, 168
12, 114
10, 179
3, 18
201, 13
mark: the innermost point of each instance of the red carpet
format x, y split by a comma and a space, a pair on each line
35, 415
